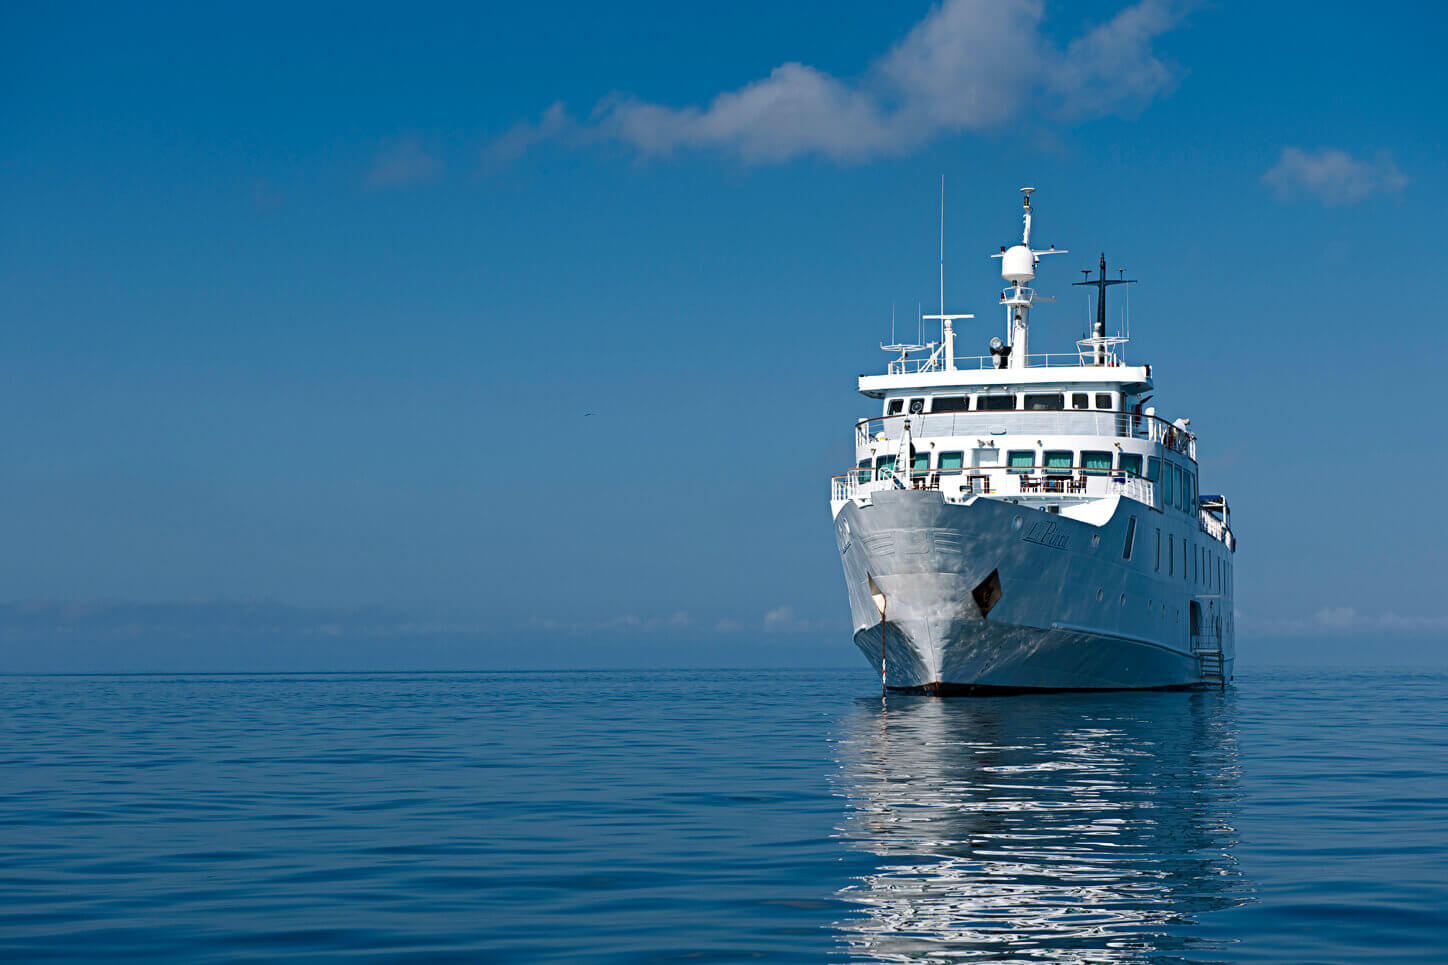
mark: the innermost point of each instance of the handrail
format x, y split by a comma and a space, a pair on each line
1126, 425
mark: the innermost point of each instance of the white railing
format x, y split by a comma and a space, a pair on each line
1058, 422
1038, 484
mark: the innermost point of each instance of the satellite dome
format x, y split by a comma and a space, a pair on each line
1018, 264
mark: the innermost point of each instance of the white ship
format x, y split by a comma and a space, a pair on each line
1028, 522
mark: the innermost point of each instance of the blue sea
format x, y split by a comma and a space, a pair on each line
1300, 816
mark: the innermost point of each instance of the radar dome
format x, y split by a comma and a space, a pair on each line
1018, 264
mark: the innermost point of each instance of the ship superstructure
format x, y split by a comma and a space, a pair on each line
1017, 521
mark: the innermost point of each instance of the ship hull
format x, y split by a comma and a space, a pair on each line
992, 597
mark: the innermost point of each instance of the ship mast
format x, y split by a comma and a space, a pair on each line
1018, 266
1098, 332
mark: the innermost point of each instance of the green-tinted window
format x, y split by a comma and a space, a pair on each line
951, 460
885, 464
1058, 459
1176, 481
1130, 462
1153, 469
1021, 460
1168, 495
864, 470
1096, 463
921, 462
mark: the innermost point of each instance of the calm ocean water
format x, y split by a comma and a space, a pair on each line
693, 816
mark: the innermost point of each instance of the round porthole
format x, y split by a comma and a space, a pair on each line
1100, 595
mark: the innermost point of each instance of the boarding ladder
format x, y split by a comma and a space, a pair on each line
1207, 646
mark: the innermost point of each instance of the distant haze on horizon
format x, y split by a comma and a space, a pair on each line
479, 338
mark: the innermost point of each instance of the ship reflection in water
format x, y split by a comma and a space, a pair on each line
1047, 828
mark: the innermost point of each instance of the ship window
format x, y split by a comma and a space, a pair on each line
950, 403
1042, 402
895, 407
1058, 459
920, 462
1169, 494
1158, 548
917, 406
864, 470
951, 461
995, 403
1170, 555
885, 464
1130, 462
1130, 538
1153, 469
1080, 400
1096, 463
1192, 492
1021, 460
1103, 400
1176, 481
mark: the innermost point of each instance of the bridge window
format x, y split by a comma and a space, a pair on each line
951, 461
950, 403
995, 403
1103, 400
864, 470
1153, 469
1130, 462
1038, 403
1080, 400
1021, 460
885, 464
1168, 494
895, 407
1096, 463
1058, 459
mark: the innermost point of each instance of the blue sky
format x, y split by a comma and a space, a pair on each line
304, 308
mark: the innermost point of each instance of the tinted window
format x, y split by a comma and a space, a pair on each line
995, 403
864, 470
896, 407
1020, 460
1103, 400
950, 403
1038, 402
951, 460
1058, 459
917, 406
1096, 463
1153, 469
1130, 538
1169, 494
920, 462
885, 463
1080, 400
1130, 462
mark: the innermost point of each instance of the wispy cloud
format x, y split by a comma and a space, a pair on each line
968, 66
1343, 620
404, 163
1332, 176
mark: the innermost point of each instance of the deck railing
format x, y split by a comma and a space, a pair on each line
1060, 422
1032, 482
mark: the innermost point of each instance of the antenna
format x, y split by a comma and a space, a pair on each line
942, 244
892, 323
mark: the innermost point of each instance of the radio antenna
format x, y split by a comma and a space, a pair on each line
942, 244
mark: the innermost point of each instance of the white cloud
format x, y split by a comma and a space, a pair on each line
1332, 176
404, 163
1340, 620
969, 65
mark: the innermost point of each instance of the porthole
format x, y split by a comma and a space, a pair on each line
1100, 594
